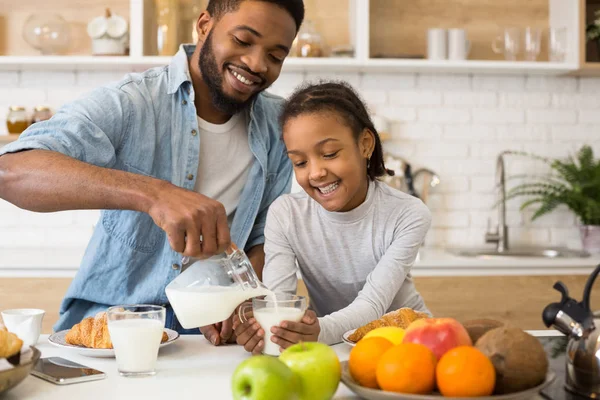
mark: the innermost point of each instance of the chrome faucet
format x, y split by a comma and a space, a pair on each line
500, 235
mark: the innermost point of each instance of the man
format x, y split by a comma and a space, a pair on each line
182, 160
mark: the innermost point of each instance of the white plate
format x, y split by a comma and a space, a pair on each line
346, 340
58, 339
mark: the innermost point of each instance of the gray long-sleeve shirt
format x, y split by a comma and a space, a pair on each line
356, 264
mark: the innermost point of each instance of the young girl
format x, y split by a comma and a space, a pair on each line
353, 238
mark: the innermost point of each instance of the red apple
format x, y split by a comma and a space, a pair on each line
438, 334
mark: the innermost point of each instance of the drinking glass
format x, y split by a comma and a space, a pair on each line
136, 332
270, 311
508, 43
557, 44
533, 41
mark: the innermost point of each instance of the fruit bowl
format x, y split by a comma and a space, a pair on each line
375, 394
15, 369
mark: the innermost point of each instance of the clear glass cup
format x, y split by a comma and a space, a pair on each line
270, 311
508, 43
532, 43
136, 332
557, 44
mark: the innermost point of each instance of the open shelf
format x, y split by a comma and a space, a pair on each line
293, 64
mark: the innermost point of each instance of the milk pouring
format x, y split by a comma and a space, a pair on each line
208, 291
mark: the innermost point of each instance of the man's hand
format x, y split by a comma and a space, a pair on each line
219, 333
289, 332
187, 217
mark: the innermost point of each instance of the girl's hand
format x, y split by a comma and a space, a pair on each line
249, 334
289, 332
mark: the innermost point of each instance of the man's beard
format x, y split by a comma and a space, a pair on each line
213, 79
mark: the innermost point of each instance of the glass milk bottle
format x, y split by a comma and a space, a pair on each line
208, 291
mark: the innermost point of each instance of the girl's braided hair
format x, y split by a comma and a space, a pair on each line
340, 98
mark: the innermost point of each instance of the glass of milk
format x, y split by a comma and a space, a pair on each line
136, 332
271, 311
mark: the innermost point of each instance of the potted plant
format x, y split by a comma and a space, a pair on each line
592, 30
574, 182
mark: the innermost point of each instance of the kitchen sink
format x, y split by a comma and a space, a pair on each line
521, 252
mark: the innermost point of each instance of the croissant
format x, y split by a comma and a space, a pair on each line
10, 344
401, 317
93, 332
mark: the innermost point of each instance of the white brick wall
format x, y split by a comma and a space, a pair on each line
454, 124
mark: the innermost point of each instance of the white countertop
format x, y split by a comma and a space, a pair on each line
190, 368
49, 262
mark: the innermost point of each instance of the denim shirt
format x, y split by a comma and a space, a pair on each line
146, 124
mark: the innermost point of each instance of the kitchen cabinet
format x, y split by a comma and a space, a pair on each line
372, 27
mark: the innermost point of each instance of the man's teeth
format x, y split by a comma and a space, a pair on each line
329, 188
242, 79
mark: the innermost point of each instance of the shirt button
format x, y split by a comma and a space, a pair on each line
175, 266
190, 177
184, 102
194, 133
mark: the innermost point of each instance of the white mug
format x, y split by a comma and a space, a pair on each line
458, 44
26, 323
436, 44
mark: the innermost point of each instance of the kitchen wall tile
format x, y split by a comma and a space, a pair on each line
416, 131
589, 116
452, 219
444, 115
513, 134
9, 79
438, 81
26, 97
397, 113
589, 85
442, 150
572, 133
525, 100
566, 237
498, 115
45, 79
451, 184
470, 99
551, 83
382, 81
499, 83
552, 116
415, 98
40, 220
374, 98
98, 78
576, 100
59, 97
470, 133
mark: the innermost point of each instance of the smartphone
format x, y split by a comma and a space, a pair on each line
61, 371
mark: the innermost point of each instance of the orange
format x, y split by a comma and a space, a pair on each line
465, 371
407, 368
363, 360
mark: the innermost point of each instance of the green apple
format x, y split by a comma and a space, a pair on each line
264, 378
317, 366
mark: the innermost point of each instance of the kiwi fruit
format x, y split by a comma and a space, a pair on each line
519, 358
477, 327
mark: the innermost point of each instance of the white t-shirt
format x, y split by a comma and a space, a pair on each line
225, 161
